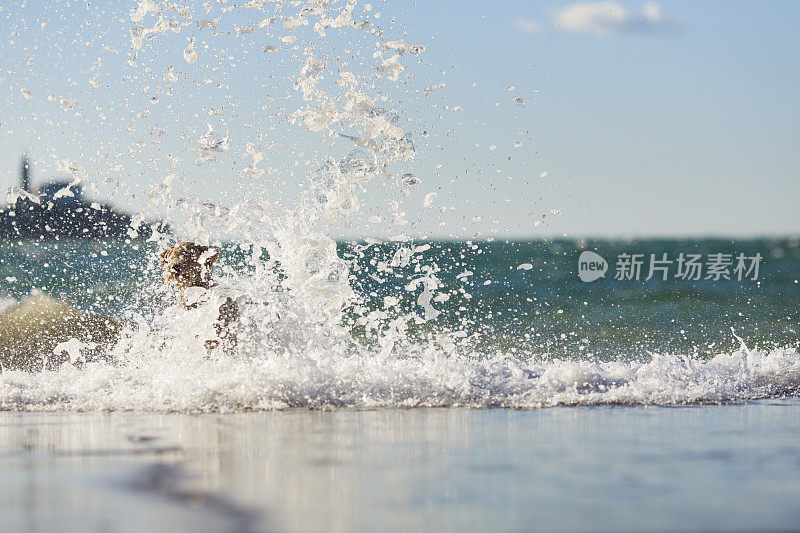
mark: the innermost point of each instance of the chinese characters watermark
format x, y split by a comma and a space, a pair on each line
684, 267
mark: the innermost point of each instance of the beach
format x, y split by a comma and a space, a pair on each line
690, 468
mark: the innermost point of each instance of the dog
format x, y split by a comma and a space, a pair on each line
188, 266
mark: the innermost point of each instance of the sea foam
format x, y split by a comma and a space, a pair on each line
421, 376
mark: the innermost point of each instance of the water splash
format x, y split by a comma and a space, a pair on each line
309, 334
165, 379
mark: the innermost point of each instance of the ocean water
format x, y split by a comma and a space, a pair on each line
611, 468
506, 336
546, 404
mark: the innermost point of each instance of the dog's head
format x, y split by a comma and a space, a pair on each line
188, 264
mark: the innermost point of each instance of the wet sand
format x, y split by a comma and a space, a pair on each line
704, 468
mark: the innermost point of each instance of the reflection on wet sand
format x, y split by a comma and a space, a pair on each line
404, 470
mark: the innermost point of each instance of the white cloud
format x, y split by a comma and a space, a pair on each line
611, 18
527, 25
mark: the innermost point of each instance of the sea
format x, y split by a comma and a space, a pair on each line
528, 400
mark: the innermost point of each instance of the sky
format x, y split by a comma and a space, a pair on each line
530, 119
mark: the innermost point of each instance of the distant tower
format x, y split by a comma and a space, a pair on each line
25, 174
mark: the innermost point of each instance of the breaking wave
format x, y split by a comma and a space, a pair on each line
427, 378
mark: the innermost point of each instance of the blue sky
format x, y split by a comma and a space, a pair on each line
667, 118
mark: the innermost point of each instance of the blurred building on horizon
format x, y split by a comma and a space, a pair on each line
59, 210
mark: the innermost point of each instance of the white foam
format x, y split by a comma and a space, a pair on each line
170, 379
